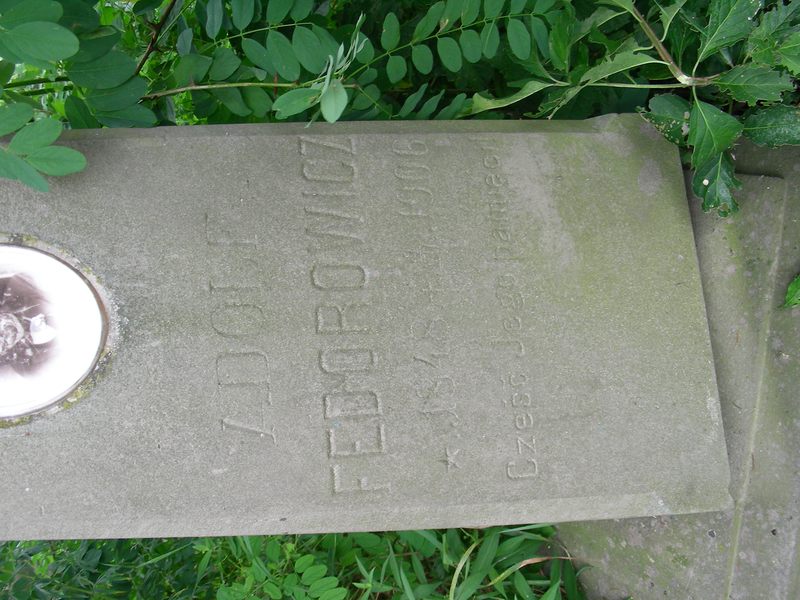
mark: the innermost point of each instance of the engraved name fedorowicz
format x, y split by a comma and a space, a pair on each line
374, 326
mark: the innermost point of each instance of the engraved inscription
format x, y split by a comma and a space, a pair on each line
433, 384
518, 402
236, 314
336, 230
508, 338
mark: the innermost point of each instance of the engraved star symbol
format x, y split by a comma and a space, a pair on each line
450, 459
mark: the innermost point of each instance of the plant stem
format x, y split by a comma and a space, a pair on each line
24, 82
46, 90
154, 38
674, 68
648, 86
217, 86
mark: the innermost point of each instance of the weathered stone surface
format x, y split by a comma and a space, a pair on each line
750, 551
375, 326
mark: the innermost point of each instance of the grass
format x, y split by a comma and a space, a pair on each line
454, 564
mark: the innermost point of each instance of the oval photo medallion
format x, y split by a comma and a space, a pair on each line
52, 330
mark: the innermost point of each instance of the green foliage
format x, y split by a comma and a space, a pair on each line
219, 61
725, 68
793, 293
431, 565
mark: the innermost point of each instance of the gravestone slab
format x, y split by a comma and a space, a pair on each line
373, 326
749, 552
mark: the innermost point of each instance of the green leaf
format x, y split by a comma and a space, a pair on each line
40, 40
35, 135
390, 34
396, 68
714, 183
570, 578
486, 553
470, 42
308, 50
329, 43
367, 52
519, 38
258, 55
214, 14
729, 21
541, 35
793, 293
624, 61
774, 126
429, 22
320, 586
762, 43
233, 101
184, 42
422, 57
490, 40
411, 102
470, 11
451, 14
711, 131
191, 69
118, 98
291, 103
111, 70
132, 116
57, 160
257, 100
429, 107
366, 97
225, 64
79, 16
333, 101
7, 69
273, 591
789, 53
282, 55
301, 9
79, 115
277, 10
141, 7
668, 14
553, 592
560, 41
13, 167
493, 8
31, 10
481, 103
452, 110
334, 594
591, 24
95, 44
313, 573
752, 83
450, 53
626, 5
242, 13
669, 114
14, 116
